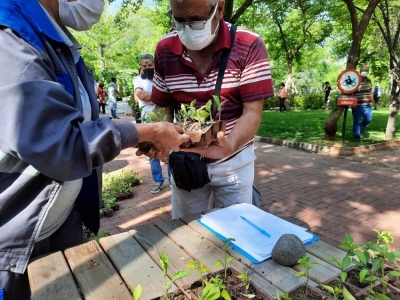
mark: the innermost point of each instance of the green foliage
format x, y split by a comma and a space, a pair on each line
99, 235
284, 296
244, 278
227, 258
137, 292
164, 262
215, 289
199, 267
156, 116
304, 262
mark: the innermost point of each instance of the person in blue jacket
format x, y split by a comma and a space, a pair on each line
52, 141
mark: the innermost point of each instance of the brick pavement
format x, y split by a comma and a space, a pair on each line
329, 195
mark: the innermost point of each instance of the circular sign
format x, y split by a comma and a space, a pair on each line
348, 81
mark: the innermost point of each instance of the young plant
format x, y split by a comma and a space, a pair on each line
343, 265
349, 245
137, 292
305, 263
219, 106
164, 262
244, 278
337, 291
284, 296
200, 268
157, 116
227, 258
215, 289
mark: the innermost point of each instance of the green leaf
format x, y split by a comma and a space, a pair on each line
203, 115
191, 265
373, 247
335, 260
328, 288
361, 256
168, 286
203, 269
343, 276
242, 276
380, 296
137, 292
316, 262
363, 274
347, 295
346, 262
300, 274
179, 275
225, 295
345, 246
164, 262
229, 259
371, 278
396, 253
210, 292
348, 239
394, 273
217, 100
218, 263
376, 264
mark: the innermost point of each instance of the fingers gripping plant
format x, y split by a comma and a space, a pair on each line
227, 258
164, 262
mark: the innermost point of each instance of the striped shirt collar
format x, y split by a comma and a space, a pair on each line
224, 40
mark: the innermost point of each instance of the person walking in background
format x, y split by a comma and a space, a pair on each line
362, 113
142, 86
377, 94
112, 97
282, 97
327, 94
101, 98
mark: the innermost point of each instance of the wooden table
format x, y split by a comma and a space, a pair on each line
113, 268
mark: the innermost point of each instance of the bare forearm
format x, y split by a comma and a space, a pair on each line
144, 96
246, 126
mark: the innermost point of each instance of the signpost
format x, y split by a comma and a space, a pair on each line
348, 82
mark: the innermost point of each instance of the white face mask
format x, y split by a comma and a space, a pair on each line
364, 73
198, 39
80, 14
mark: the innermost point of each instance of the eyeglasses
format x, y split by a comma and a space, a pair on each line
195, 25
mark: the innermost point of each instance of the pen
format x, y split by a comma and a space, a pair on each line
262, 231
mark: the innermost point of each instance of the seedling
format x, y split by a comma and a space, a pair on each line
157, 116
199, 267
349, 245
219, 106
227, 259
343, 265
162, 210
246, 280
215, 289
284, 296
164, 262
337, 291
137, 292
304, 262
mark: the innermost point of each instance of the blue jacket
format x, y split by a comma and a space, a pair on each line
43, 140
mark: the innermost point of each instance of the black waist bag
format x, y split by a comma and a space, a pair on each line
189, 170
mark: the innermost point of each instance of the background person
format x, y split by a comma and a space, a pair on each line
377, 94
187, 63
101, 98
327, 94
142, 88
52, 142
282, 97
112, 97
362, 113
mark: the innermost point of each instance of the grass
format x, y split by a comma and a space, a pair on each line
307, 126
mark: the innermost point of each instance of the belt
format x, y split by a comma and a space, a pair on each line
221, 160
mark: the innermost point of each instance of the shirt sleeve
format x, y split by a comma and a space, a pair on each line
138, 83
256, 81
160, 94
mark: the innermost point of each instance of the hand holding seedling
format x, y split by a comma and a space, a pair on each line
222, 148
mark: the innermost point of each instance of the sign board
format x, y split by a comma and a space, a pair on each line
346, 101
349, 81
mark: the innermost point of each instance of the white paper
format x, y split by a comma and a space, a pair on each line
228, 223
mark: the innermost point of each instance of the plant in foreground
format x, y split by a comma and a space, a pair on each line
246, 280
199, 267
164, 266
227, 259
306, 273
284, 296
137, 292
337, 291
215, 289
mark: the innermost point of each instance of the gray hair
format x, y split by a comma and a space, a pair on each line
147, 56
211, 2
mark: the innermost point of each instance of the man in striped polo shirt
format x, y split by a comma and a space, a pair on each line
362, 113
186, 68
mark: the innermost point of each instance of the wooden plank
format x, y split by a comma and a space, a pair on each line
50, 278
324, 251
203, 250
134, 265
321, 272
95, 274
154, 242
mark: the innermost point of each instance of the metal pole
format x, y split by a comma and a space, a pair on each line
344, 124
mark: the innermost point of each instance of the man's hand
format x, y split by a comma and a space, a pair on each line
222, 149
165, 137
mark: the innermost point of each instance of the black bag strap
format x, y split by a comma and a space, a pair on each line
222, 68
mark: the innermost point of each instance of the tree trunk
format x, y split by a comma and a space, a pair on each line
289, 77
393, 107
101, 60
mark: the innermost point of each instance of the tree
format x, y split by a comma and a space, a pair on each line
357, 29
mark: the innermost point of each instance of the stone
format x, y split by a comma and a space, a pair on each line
288, 250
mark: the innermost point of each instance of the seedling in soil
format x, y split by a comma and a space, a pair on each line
349, 245
199, 267
343, 265
304, 262
215, 289
246, 280
137, 292
227, 259
164, 262
337, 291
284, 296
